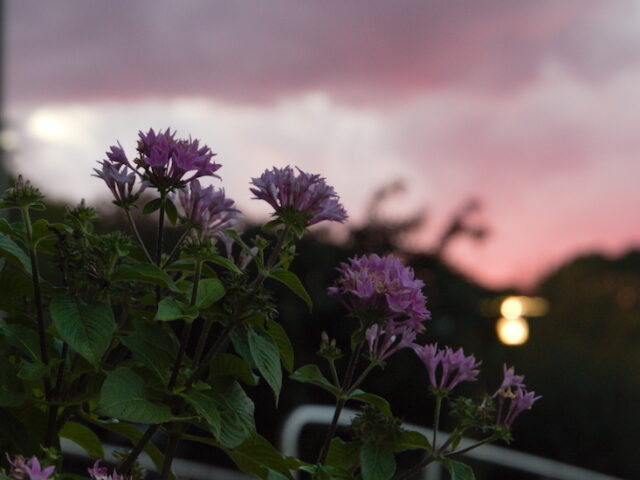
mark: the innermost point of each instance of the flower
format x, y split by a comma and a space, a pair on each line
518, 402
101, 473
18, 467
303, 198
383, 287
35, 471
455, 367
22, 195
382, 340
207, 209
165, 161
119, 177
510, 380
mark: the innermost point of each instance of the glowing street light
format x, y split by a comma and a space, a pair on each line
512, 307
512, 331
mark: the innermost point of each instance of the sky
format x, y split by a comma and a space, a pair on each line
532, 107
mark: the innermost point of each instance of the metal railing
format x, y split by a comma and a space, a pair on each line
505, 457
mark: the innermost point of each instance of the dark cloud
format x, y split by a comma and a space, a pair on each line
373, 50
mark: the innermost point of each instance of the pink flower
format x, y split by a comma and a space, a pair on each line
102, 473
35, 471
385, 341
382, 286
510, 405
302, 198
455, 367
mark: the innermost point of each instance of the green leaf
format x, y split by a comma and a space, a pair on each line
170, 309
233, 234
31, 371
343, 455
11, 389
150, 356
152, 206
270, 225
279, 335
312, 374
292, 281
86, 328
225, 262
206, 407
171, 211
372, 399
131, 433
267, 358
144, 272
232, 365
23, 338
377, 462
257, 456
84, 437
459, 470
123, 396
210, 290
410, 440
10, 251
236, 413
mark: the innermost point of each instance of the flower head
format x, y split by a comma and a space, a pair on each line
383, 287
385, 341
22, 195
168, 163
455, 367
510, 380
299, 198
207, 209
102, 473
119, 177
18, 467
36, 472
510, 405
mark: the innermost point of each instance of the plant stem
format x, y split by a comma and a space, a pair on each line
176, 247
436, 419
428, 459
132, 223
42, 339
186, 331
202, 341
169, 453
126, 465
159, 242
346, 387
467, 449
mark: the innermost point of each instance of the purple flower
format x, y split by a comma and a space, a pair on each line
207, 209
302, 197
510, 380
510, 405
382, 286
101, 473
18, 467
385, 341
35, 471
455, 367
119, 177
168, 163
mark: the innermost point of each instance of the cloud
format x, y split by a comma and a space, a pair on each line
378, 51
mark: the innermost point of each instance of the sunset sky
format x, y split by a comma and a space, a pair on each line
533, 107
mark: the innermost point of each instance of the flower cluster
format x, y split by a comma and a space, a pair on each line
455, 367
29, 470
382, 287
385, 341
207, 209
102, 473
513, 398
300, 198
120, 179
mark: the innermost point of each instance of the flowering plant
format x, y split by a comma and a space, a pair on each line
109, 343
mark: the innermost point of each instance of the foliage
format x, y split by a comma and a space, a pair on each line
105, 344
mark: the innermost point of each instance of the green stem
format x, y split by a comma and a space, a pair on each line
475, 445
346, 387
361, 378
169, 453
42, 339
436, 419
186, 332
160, 230
176, 247
128, 462
202, 341
409, 473
132, 223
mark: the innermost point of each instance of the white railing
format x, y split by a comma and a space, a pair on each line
505, 457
